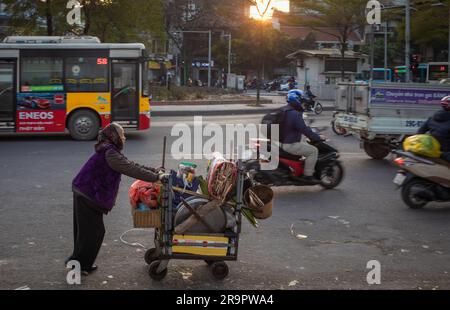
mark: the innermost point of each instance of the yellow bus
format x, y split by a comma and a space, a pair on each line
54, 84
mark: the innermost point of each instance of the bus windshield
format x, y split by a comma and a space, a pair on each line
438, 72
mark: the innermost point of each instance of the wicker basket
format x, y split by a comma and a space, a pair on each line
146, 219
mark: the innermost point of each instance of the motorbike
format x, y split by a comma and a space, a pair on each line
314, 106
272, 86
329, 170
336, 128
422, 180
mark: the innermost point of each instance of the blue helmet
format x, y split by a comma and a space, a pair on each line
295, 98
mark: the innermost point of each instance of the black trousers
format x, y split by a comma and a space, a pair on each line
88, 231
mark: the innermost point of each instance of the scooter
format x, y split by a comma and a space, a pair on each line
422, 180
329, 170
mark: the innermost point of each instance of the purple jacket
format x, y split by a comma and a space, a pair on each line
98, 181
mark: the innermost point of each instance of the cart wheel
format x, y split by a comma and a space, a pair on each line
209, 262
153, 271
219, 270
150, 256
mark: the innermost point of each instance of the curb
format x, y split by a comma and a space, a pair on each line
218, 112
208, 102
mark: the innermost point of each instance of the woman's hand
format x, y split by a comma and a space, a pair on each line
161, 169
163, 177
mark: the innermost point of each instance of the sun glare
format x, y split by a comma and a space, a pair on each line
257, 12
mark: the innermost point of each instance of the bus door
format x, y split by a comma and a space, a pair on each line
125, 93
7, 91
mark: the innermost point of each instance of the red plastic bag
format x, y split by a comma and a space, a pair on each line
144, 192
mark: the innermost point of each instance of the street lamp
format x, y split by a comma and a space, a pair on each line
229, 51
263, 9
209, 32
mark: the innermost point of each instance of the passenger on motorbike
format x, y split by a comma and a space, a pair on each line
293, 128
439, 127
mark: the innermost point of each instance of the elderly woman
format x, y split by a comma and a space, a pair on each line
95, 190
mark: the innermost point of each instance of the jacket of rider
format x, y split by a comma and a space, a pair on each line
294, 127
439, 127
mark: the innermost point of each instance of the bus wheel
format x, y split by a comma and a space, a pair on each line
84, 125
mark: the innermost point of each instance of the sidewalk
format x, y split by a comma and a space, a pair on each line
225, 109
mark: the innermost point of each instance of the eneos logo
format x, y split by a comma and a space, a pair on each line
36, 116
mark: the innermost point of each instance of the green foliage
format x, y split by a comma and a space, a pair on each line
429, 26
110, 20
395, 51
256, 44
344, 15
188, 93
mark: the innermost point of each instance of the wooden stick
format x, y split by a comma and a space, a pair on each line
164, 153
195, 194
192, 211
192, 220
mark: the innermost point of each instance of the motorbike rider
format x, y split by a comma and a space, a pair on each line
309, 98
293, 128
291, 82
439, 127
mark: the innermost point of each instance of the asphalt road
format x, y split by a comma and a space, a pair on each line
363, 220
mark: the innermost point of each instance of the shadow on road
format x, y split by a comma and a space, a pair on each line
47, 137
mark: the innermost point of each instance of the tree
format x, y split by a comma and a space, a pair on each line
344, 16
395, 51
429, 26
260, 47
111, 20
32, 17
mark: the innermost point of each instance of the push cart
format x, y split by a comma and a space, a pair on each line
214, 249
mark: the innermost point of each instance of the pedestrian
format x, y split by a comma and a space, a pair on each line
169, 81
95, 190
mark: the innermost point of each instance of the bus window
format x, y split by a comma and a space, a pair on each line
438, 72
41, 74
87, 74
145, 80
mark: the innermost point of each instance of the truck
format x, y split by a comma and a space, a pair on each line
382, 115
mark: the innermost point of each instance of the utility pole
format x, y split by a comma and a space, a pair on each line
372, 54
408, 41
229, 51
229, 54
209, 58
209, 50
386, 51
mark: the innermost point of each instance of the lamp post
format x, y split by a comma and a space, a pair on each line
408, 41
442, 4
209, 32
229, 51
263, 15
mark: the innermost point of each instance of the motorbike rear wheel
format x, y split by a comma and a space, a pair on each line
332, 175
410, 193
318, 109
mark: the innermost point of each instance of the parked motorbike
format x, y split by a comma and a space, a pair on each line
422, 180
329, 170
273, 86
